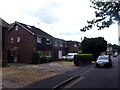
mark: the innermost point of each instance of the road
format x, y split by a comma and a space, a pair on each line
99, 77
90, 77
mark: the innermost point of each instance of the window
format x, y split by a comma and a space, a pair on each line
75, 45
61, 44
65, 45
48, 54
11, 40
18, 39
48, 41
16, 27
55, 43
39, 39
58, 43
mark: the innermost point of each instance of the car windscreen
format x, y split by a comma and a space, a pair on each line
102, 58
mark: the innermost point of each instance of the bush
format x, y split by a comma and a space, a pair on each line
81, 59
4, 64
45, 59
35, 57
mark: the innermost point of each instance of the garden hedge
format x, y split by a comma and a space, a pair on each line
81, 59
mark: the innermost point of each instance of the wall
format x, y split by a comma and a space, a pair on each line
25, 46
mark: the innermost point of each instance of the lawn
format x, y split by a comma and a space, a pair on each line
25, 76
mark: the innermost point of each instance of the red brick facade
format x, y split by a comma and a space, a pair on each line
23, 39
23, 48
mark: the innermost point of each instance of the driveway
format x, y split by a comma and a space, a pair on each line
48, 67
52, 67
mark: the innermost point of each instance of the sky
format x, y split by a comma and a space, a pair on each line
60, 18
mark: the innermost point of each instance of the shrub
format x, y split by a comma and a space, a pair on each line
43, 60
35, 57
81, 59
4, 64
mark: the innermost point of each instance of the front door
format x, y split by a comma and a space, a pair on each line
59, 54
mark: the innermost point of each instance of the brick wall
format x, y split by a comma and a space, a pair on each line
25, 46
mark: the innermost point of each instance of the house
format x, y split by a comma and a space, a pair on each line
60, 48
4, 31
23, 39
73, 46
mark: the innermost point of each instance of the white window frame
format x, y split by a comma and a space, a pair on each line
75, 45
16, 27
48, 41
12, 40
39, 39
48, 53
18, 39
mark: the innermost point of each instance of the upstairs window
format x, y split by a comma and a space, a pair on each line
75, 45
58, 43
61, 44
16, 27
39, 39
11, 40
18, 39
65, 45
48, 41
55, 43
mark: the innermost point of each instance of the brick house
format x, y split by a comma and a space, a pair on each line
4, 31
23, 39
73, 46
60, 48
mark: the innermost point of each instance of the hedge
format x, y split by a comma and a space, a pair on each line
81, 59
35, 57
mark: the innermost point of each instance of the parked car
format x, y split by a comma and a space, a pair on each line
69, 56
104, 61
115, 55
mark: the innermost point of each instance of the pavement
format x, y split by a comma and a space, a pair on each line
50, 83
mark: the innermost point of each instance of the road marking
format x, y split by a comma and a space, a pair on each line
73, 83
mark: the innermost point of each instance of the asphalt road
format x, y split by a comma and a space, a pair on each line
100, 77
90, 77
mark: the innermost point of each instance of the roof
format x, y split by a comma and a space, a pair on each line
58, 39
3, 23
33, 30
72, 41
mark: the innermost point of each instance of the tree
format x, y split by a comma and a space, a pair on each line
107, 13
94, 46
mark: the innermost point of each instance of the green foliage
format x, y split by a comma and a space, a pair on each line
107, 13
3, 64
45, 59
93, 45
35, 57
81, 59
